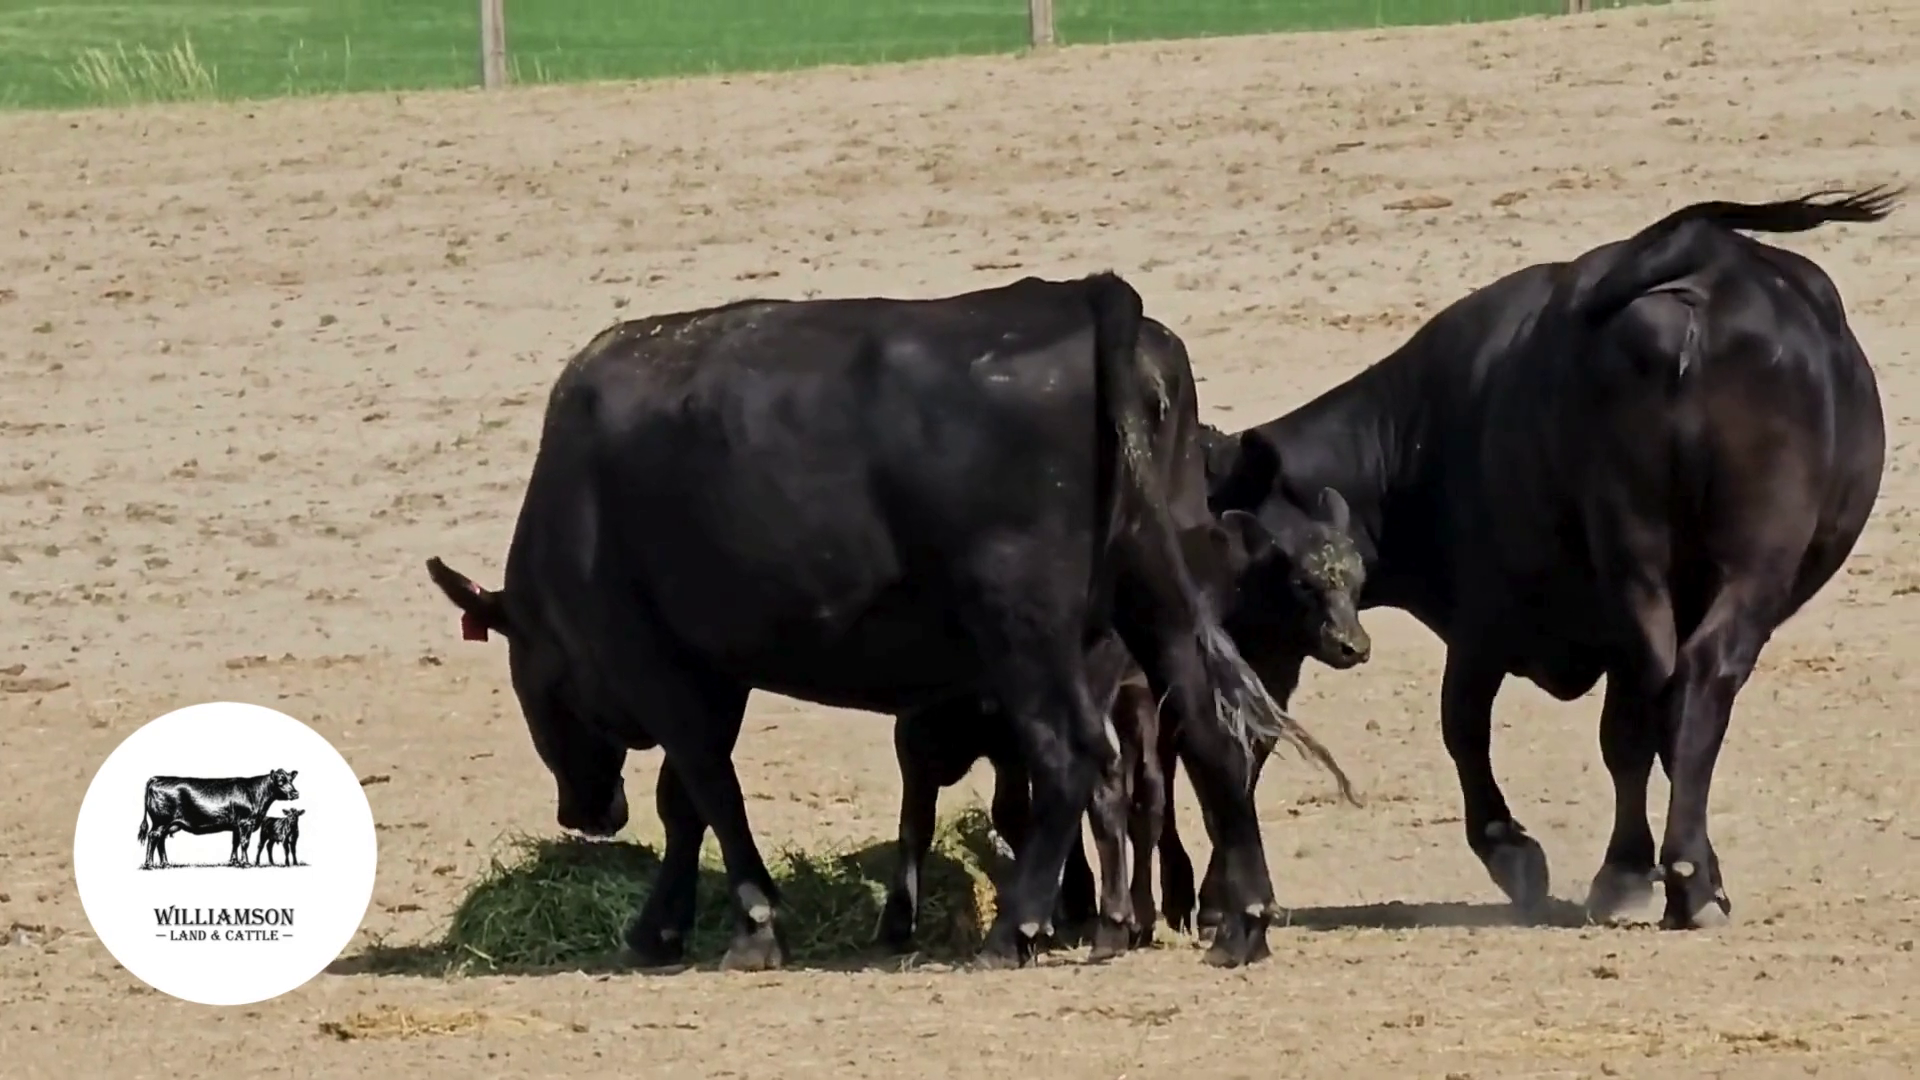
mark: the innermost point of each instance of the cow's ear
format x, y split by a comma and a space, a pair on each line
1246, 542
1331, 510
291, 773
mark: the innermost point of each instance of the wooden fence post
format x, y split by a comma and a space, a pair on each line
493, 44
1040, 23
1575, 7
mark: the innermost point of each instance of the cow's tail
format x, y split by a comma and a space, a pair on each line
146, 824
1242, 705
1680, 243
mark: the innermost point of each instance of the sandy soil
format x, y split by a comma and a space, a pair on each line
256, 364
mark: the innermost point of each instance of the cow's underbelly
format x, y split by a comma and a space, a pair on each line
1565, 641
897, 653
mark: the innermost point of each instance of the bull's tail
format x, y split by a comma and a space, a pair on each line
1242, 705
1675, 245
146, 823
481, 609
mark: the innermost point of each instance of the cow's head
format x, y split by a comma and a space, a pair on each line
585, 763
1290, 579
280, 784
293, 814
1291, 552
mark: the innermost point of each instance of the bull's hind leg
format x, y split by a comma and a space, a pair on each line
1713, 665
1630, 734
1632, 724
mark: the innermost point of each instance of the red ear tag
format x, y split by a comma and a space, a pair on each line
471, 628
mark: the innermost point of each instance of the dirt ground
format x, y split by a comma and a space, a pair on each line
257, 363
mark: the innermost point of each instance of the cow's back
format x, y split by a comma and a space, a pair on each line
820, 464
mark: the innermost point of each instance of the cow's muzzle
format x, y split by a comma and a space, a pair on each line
1342, 649
608, 821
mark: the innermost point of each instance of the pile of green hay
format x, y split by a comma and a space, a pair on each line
563, 902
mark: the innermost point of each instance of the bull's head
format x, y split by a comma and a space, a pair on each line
280, 784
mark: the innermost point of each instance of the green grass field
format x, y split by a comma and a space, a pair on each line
104, 52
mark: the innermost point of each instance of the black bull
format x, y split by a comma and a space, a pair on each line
871, 504
200, 805
1636, 465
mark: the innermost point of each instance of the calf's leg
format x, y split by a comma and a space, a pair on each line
1136, 711
915, 750
1112, 798
1176, 868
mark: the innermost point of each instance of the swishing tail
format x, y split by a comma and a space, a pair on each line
1242, 705
1676, 245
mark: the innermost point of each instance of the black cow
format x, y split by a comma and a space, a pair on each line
1636, 464
284, 831
1277, 582
867, 503
200, 806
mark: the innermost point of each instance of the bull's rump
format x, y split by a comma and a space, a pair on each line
792, 499
1711, 424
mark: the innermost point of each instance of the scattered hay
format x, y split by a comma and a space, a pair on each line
564, 902
398, 1022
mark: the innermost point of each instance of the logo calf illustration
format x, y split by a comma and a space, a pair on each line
203, 805
284, 831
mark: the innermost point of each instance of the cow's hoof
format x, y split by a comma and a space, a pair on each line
1518, 864
654, 947
896, 925
1617, 891
758, 949
1110, 939
1206, 925
1008, 947
1694, 902
1238, 940
1141, 937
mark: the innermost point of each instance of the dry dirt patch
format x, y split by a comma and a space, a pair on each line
258, 363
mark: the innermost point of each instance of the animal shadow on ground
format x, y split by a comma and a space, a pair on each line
560, 904
1401, 915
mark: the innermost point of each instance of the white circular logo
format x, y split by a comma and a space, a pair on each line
225, 853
